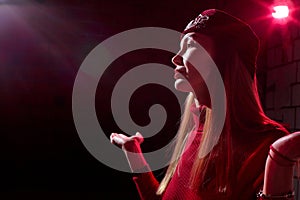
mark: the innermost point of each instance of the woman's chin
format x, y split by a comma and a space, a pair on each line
182, 85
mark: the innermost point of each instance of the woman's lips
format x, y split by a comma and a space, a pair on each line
180, 72
178, 75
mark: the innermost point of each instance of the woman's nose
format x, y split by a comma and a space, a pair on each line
177, 60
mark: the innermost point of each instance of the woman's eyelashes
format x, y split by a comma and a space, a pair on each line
190, 44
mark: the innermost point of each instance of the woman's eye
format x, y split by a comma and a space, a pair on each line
190, 45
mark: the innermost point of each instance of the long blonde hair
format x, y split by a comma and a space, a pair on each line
244, 116
185, 125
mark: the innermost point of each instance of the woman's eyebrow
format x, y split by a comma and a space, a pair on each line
185, 39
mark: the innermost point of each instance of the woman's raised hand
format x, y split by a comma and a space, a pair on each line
132, 149
125, 142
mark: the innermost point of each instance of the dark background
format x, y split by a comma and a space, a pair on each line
42, 45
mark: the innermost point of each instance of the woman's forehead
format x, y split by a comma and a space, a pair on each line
188, 36
194, 36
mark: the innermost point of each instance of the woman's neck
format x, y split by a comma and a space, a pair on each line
202, 102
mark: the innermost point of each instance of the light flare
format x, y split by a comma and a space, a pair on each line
280, 12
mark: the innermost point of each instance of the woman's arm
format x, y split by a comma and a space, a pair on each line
144, 179
278, 179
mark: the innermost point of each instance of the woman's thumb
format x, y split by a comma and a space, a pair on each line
138, 134
139, 137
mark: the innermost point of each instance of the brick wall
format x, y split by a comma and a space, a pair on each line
282, 77
282, 94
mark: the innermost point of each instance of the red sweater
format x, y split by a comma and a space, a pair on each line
177, 189
249, 175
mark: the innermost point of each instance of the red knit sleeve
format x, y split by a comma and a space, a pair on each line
147, 185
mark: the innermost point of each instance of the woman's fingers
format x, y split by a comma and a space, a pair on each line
112, 136
118, 139
122, 140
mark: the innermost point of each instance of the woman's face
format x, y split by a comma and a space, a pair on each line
187, 76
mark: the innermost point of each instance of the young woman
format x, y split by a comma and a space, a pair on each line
234, 168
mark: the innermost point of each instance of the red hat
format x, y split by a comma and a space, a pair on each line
229, 31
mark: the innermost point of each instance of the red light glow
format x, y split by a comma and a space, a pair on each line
280, 12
